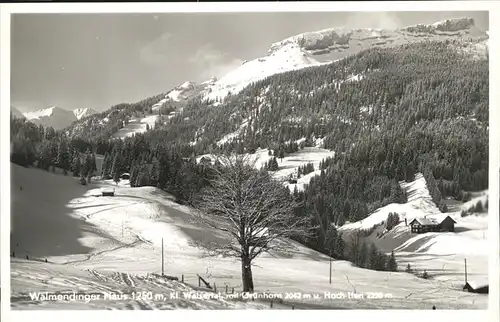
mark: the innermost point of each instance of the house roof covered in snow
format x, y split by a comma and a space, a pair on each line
424, 221
477, 284
430, 221
446, 218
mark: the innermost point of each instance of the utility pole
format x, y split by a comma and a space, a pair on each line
162, 265
465, 260
330, 267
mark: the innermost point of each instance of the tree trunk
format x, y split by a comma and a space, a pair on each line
246, 270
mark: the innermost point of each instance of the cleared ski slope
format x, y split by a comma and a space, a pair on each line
85, 237
136, 125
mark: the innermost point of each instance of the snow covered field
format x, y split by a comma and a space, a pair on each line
290, 163
440, 254
136, 125
94, 243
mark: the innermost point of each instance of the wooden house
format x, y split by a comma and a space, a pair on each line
481, 287
108, 192
425, 225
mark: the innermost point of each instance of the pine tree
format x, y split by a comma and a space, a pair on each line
381, 261
155, 172
93, 164
63, 157
44, 161
362, 255
89, 166
339, 247
86, 165
372, 257
77, 166
116, 167
133, 174
106, 166
392, 266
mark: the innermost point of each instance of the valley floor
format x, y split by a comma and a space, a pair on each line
113, 244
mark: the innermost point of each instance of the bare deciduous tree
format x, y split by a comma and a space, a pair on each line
256, 210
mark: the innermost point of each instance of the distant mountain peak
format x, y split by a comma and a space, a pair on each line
57, 117
448, 25
83, 112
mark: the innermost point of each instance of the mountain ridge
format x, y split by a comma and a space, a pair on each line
324, 46
57, 117
317, 48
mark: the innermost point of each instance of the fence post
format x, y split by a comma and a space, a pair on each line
271, 303
226, 288
232, 291
199, 281
293, 307
215, 288
182, 278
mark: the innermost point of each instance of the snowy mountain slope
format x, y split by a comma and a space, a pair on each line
419, 204
324, 46
284, 59
175, 98
57, 117
137, 125
83, 112
317, 48
441, 254
95, 244
179, 95
16, 113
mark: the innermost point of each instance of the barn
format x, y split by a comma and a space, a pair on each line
447, 224
108, 192
425, 225
480, 286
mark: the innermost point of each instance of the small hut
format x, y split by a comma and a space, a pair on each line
480, 286
108, 192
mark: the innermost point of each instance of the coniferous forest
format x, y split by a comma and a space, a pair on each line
418, 108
